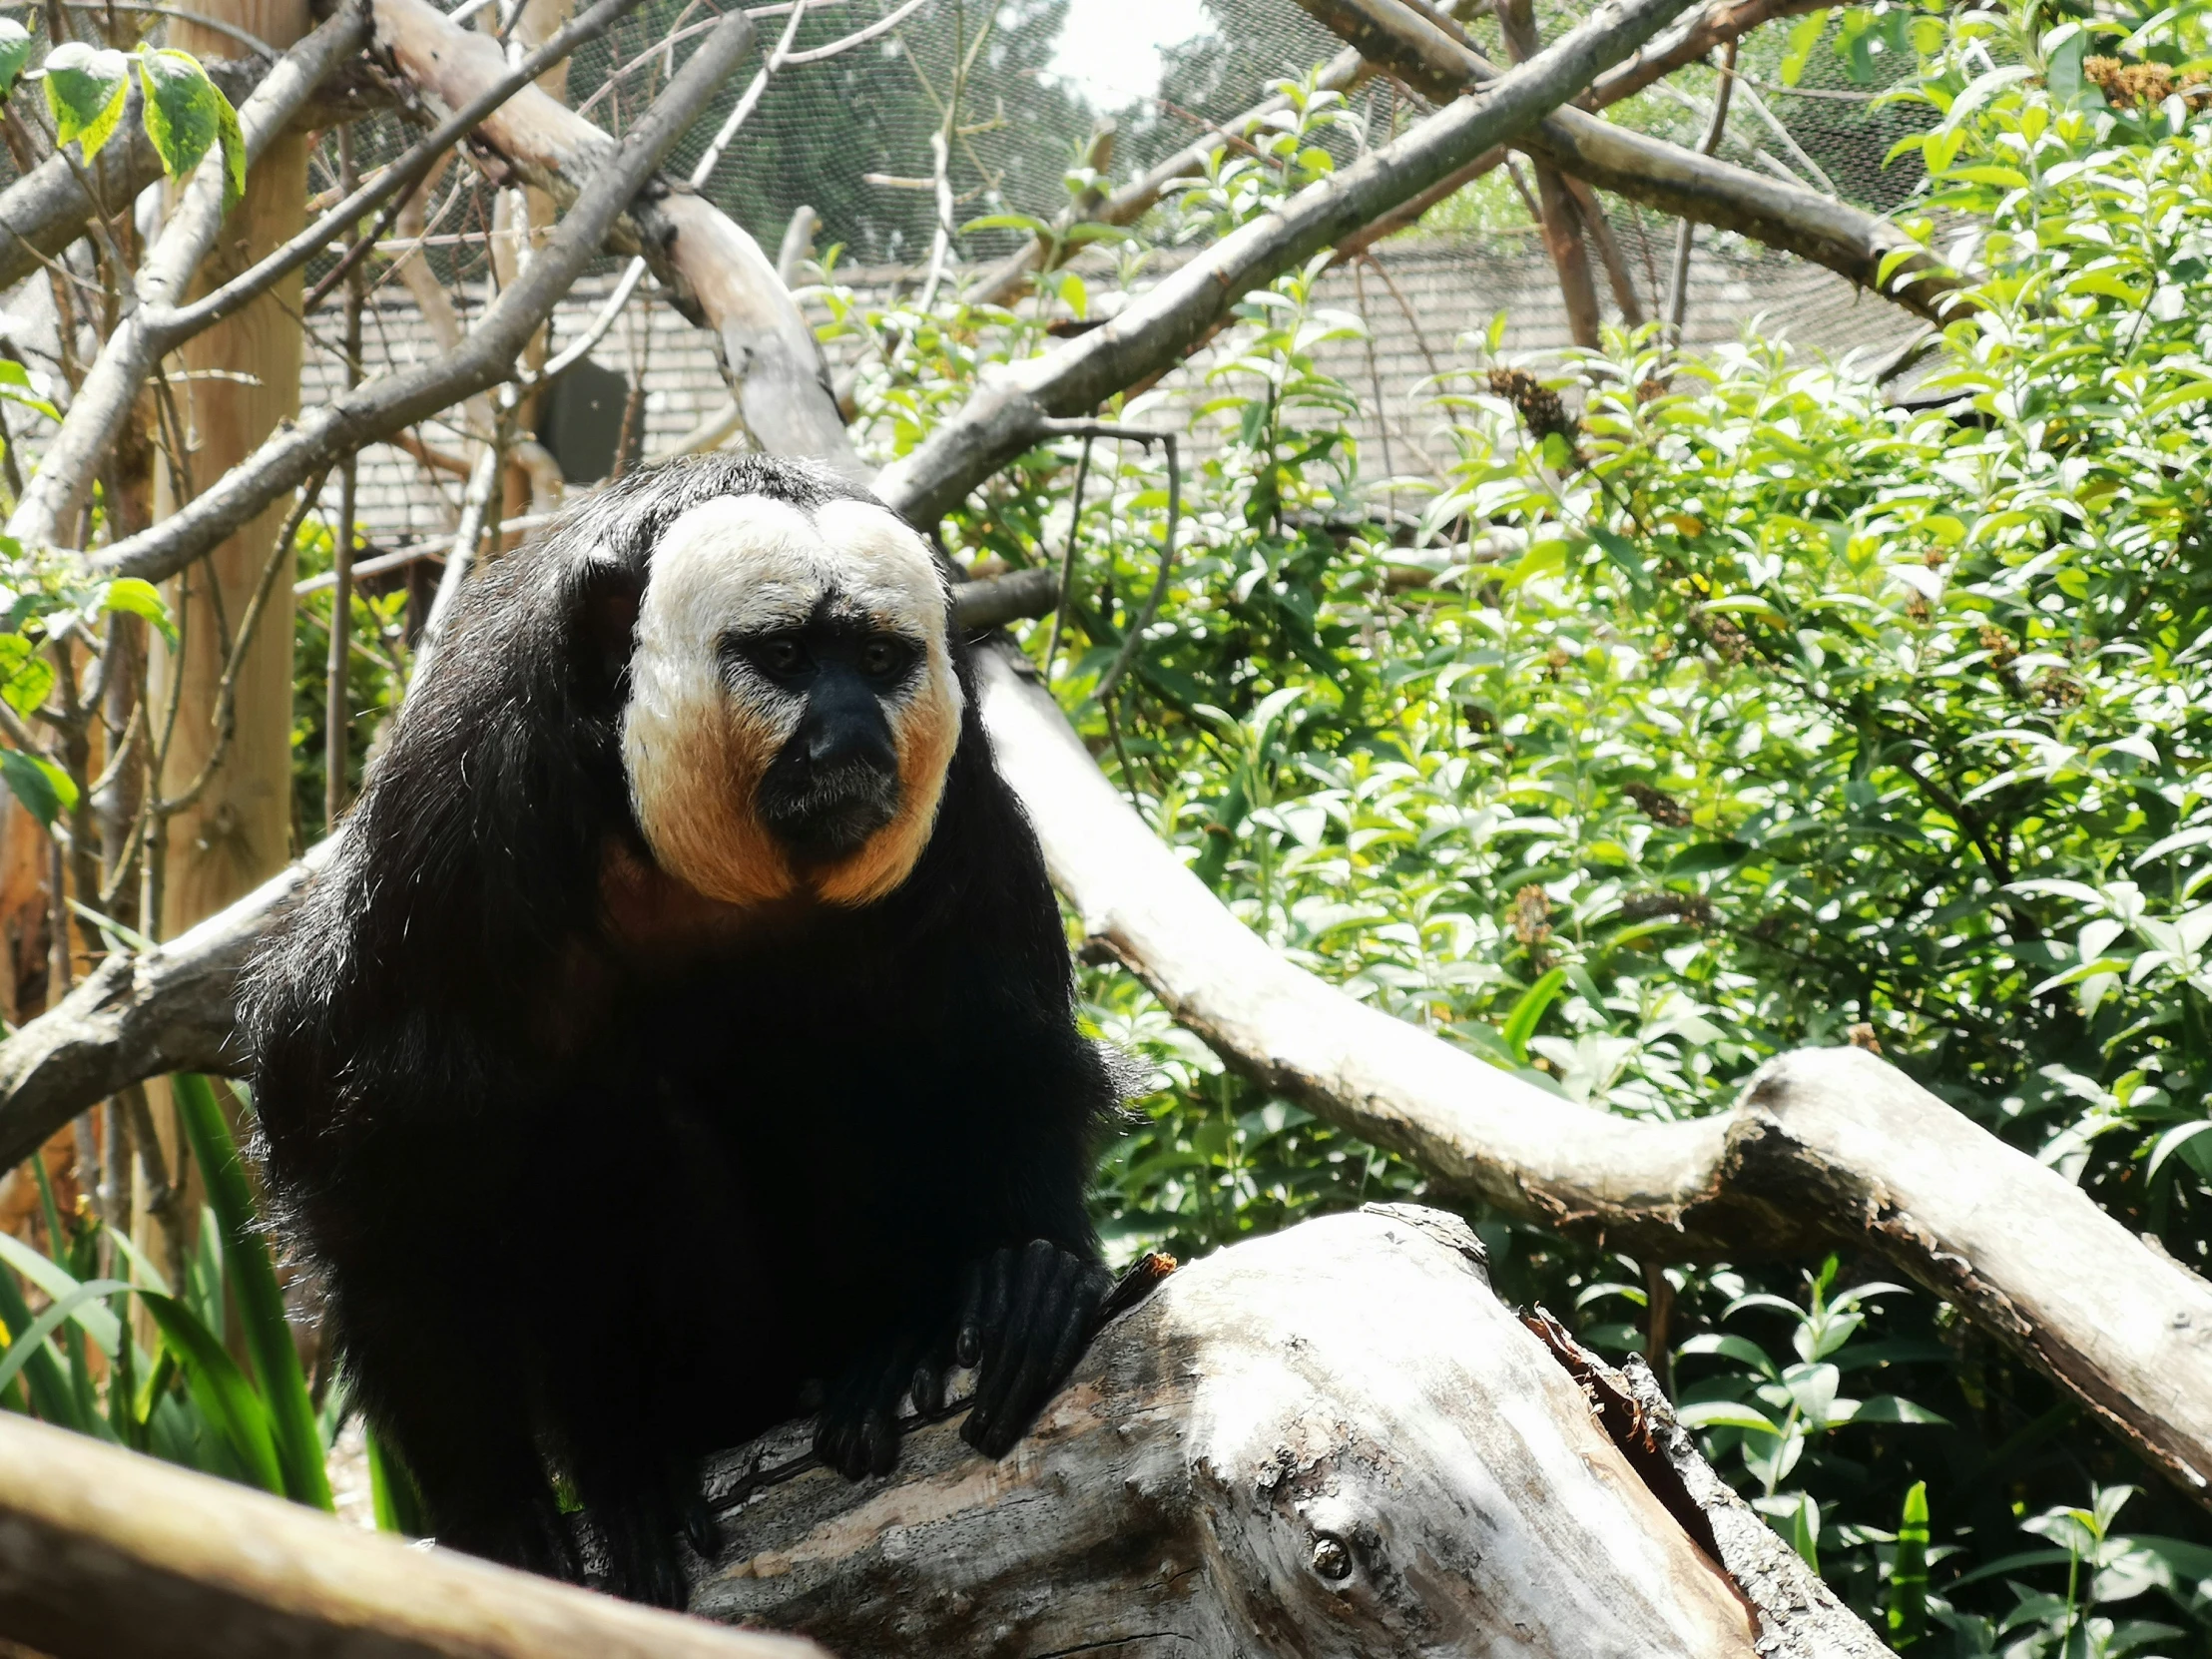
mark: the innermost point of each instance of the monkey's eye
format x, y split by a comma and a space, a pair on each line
779, 656
883, 657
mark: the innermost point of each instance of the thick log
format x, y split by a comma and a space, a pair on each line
105, 1555
1334, 1440
1826, 1147
1675, 179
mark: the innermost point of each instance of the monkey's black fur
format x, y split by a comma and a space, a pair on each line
605, 1206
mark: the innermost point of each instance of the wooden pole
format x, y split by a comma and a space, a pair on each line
229, 388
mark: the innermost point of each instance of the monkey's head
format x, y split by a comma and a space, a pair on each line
793, 704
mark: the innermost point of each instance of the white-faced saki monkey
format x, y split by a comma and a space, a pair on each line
684, 1032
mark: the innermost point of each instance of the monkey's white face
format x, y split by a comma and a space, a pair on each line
792, 706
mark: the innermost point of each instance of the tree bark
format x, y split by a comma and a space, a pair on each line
1335, 1440
107, 1555
1847, 239
1557, 214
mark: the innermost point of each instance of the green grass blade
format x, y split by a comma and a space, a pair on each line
42, 1328
52, 1398
393, 1493
1520, 1024
261, 1302
95, 1319
220, 1389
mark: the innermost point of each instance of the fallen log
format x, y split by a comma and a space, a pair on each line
1333, 1440
107, 1554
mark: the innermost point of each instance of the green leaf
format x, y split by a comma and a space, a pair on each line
182, 109
1707, 857
15, 52
1723, 1413
1622, 553
261, 1302
67, 1306
86, 88
220, 1389
1740, 1349
1907, 1613
138, 597
25, 674
1896, 1409
1520, 1024
44, 789
98, 1322
233, 153
1803, 36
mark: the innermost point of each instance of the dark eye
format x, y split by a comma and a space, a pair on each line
779, 655
882, 658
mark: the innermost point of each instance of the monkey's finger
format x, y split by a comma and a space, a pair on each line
986, 1306
967, 1338
878, 1443
1006, 1292
1020, 1390
927, 1387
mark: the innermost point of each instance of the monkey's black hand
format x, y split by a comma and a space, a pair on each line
857, 1433
1025, 1314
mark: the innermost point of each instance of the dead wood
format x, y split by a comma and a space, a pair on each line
107, 1554
1332, 1442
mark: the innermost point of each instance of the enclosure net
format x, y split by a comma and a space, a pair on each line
849, 135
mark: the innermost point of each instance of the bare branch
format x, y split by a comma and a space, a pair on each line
390, 402
1155, 330
112, 386
1847, 239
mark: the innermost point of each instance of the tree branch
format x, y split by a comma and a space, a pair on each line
1160, 326
111, 388
110, 1552
1826, 1146
399, 398
1847, 239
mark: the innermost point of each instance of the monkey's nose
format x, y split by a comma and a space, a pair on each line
841, 732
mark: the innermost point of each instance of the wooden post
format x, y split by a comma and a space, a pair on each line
230, 388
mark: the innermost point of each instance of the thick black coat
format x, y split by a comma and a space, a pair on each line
591, 1188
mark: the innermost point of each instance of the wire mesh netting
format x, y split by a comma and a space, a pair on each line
1017, 91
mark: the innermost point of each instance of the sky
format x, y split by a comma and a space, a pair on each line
1110, 49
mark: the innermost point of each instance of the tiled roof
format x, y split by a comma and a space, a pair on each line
1420, 300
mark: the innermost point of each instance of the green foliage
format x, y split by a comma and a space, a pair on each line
1708, 709
86, 89
75, 1362
186, 115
